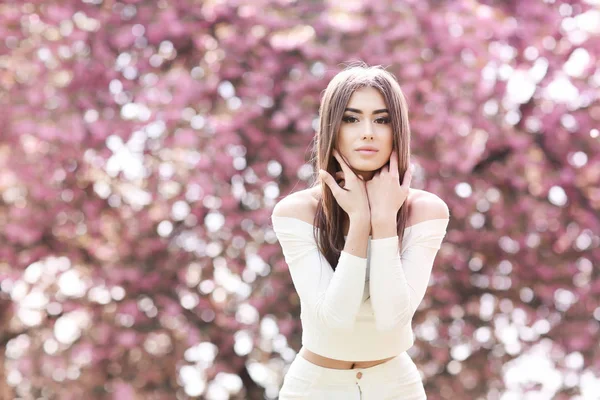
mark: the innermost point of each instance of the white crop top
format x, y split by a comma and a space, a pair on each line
339, 319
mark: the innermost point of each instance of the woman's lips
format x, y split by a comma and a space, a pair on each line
367, 152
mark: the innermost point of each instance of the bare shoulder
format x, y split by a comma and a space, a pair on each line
301, 205
424, 206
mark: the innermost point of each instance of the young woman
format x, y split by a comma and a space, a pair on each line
360, 245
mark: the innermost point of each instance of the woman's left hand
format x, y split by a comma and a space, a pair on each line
386, 194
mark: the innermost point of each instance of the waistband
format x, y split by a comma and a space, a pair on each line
399, 368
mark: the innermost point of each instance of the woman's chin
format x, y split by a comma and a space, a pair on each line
366, 167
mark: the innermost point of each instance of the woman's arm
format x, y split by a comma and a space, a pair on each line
334, 298
358, 237
398, 282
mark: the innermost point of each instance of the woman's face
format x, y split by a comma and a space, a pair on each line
366, 122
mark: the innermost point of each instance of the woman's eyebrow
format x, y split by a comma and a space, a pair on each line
356, 110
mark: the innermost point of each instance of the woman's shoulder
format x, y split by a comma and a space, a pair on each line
424, 206
301, 205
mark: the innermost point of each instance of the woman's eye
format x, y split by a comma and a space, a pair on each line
378, 120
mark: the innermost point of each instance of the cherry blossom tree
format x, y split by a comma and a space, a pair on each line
143, 145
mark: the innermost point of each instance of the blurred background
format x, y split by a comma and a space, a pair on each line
143, 145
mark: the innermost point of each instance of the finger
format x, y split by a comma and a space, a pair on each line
345, 167
384, 170
407, 179
394, 163
329, 181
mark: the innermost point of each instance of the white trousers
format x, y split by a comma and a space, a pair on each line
395, 379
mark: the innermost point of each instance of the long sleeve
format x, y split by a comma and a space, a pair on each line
398, 282
334, 298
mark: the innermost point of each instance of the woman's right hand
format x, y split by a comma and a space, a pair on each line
352, 197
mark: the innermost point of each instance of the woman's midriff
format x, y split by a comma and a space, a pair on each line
338, 364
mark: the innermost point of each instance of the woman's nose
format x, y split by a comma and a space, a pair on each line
368, 130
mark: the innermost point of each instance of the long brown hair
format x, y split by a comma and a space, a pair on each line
329, 216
